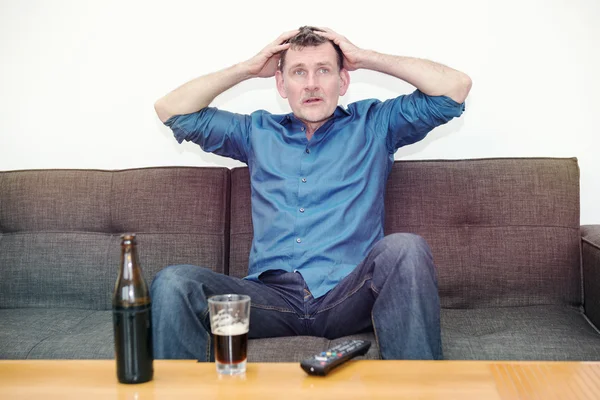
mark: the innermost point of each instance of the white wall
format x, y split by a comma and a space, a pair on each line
78, 78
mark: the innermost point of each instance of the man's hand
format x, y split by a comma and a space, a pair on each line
429, 77
353, 55
264, 64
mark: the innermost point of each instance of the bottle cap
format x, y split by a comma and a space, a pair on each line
128, 237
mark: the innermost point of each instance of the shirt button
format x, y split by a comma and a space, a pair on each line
302, 210
302, 129
298, 240
307, 151
303, 180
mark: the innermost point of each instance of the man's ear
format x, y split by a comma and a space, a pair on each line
280, 85
344, 81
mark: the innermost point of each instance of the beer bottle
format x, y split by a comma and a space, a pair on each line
131, 318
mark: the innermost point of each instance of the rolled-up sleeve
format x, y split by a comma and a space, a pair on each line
408, 118
215, 131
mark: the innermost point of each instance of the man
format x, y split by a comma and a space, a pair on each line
319, 264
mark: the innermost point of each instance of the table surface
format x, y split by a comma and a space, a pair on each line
358, 379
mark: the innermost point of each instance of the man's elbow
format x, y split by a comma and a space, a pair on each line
161, 110
462, 89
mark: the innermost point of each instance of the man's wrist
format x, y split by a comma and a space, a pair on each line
242, 71
367, 59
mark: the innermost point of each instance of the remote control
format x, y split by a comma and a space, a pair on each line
320, 364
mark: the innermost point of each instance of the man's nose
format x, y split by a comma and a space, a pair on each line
312, 82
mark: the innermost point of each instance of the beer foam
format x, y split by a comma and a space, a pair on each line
238, 328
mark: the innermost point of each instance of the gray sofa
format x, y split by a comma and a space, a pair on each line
518, 277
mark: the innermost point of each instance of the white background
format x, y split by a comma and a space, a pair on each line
78, 79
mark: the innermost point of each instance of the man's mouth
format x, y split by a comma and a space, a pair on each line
312, 100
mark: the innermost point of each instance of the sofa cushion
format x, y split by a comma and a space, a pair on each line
90, 338
519, 333
298, 348
504, 232
55, 200
23, 329
57, 269
59, 229
75, 334
513, 333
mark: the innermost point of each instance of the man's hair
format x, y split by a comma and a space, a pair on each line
307, 37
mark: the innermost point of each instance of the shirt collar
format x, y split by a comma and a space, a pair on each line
338, 112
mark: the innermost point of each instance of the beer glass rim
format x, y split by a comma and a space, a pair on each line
228, 298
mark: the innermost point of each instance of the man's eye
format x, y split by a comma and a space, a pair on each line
323, 70
299, 72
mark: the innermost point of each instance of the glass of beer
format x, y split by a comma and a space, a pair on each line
229, 323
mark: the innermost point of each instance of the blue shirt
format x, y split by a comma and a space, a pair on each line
318, 205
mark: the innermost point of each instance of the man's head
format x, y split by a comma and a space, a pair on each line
308, 36
311, 75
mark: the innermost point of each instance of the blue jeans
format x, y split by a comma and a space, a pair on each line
392, 292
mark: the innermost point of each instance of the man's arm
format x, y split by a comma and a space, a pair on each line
429, 77
200, 92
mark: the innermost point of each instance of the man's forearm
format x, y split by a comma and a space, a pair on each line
200, 92
429, 77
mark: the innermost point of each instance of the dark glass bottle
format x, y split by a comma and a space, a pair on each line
132, 320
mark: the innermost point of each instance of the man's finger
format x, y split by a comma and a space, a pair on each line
331, 36
278, 48
323, 33
287, 35
325, 29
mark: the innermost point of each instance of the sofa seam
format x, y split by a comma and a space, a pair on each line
36, 345
577, 228
108, 271
486, 159
594, 245
110, 203
561, 305
66, 331
91, 312
581, 274
115, 170
227, 222
590, 322
437, 160
21, 232
578, 203
113, 230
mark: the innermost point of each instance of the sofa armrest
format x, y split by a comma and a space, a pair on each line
590, 249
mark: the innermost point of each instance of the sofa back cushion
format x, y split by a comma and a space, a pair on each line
503, 232
59, 229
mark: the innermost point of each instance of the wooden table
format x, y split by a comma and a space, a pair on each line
87, 379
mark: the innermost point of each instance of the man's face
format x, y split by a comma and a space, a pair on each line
312, 82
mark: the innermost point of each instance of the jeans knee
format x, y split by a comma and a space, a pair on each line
406, 251
170, 280
405, 243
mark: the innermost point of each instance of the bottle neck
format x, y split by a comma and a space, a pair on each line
130, 289
129, 262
